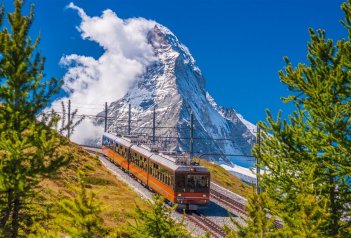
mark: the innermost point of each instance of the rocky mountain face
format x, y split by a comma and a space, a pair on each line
175, 87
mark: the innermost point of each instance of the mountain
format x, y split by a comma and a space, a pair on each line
175, 86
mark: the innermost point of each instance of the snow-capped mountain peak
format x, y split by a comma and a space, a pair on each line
175, 86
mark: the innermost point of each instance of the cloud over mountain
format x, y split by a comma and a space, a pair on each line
126, 55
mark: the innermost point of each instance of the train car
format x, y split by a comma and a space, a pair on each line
177, 182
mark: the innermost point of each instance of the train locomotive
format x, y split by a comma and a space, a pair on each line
178, 182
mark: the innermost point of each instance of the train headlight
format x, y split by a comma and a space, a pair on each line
179, 194
204, 195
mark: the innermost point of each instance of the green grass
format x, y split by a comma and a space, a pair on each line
117, 199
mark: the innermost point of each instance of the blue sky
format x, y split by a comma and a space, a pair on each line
238, 44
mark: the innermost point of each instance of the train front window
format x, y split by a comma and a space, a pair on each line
194, 181
105, 140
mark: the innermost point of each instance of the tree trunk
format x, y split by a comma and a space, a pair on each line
8, 209
15, 217
334, 225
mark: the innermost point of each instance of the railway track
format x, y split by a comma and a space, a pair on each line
205, 224
199, 219
235, 205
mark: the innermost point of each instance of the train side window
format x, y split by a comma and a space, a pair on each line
150, 167
144, 164
172, 180
140, 163
135, 159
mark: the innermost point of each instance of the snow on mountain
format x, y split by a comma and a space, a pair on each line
175, 86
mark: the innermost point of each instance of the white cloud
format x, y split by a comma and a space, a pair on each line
91, 81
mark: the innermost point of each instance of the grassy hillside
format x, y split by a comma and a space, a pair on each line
117, 199
222, 177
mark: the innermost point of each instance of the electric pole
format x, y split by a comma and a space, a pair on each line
154, 126
258, 172
69, 119
105, 116
191, 136
129, 118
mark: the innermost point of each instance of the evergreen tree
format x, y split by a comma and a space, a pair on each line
81, 215
158, 222
262, 222
29, 148
259, 223
307, 157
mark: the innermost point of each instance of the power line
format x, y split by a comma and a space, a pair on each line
128, 125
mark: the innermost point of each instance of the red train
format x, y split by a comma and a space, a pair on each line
174, 180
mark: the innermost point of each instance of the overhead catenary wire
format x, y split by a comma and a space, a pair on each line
145, 127
132, 126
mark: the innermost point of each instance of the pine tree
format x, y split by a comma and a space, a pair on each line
158, 222
260, 223
28, 147
81, 215
307, 157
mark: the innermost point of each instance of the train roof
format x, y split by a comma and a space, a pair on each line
160, 158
